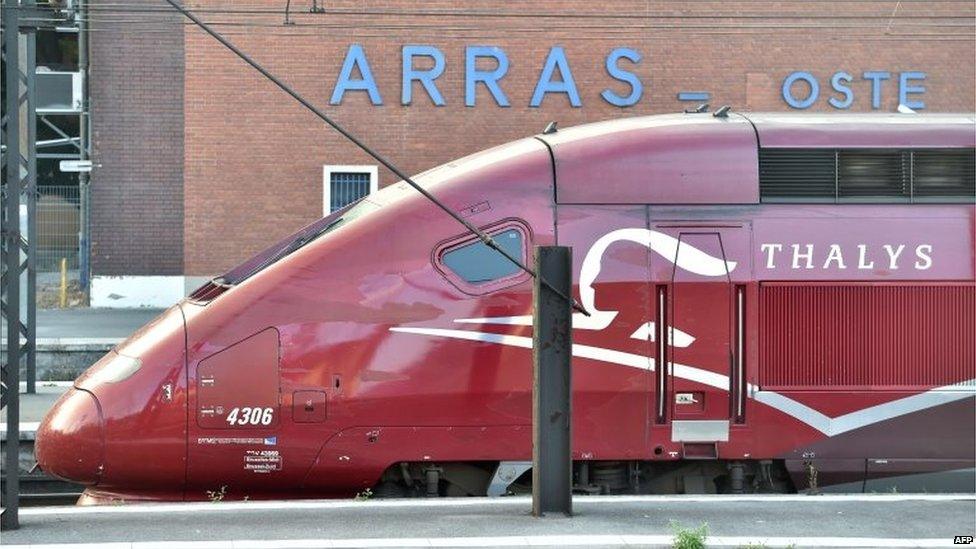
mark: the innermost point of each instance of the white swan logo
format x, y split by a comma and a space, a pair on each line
689, 258
683, 255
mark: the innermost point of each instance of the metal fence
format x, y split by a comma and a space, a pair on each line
58, 227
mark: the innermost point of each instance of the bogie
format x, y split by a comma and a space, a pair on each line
594, 478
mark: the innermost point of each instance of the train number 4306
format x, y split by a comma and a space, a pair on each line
250, 416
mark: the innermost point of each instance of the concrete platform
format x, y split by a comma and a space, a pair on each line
70, 340
608, 521
89, 323
92, 323
34, 406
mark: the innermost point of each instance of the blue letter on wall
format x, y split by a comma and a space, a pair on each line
876, 77
788, 90
490, 78
840, 82
624, 76
556, 58
356, 57
905, 88
425, 77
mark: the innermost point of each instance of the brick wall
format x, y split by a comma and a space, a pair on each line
136, 93
253, 157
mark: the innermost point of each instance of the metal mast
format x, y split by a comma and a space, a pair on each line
18, 204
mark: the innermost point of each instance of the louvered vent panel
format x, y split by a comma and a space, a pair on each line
873, 174
208, 292
796, 173
848, 336
944, 173
867, 175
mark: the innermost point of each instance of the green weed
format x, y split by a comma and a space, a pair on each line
685, 538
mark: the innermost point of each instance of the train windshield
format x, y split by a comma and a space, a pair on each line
296, 241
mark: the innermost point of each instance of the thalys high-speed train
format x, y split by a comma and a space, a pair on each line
777, 302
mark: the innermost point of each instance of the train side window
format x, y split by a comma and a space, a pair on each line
476, 263
476, 269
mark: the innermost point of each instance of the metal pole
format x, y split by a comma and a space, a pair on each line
84, 186
11, 257
552, 383
28, 72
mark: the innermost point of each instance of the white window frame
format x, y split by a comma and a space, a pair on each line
329, 169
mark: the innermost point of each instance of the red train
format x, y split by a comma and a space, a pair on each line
777, 301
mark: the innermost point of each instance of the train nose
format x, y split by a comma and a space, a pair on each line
71, 440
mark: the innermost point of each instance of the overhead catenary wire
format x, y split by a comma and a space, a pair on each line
930, 37
302, 31
483, 236
287, 31
880, 23
299, 29
883, 14
482, 23
902, 31
549, 29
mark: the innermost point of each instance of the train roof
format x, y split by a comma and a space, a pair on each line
702, 159
881, 130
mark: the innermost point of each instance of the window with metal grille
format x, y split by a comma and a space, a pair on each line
867, 175
344, 185
945, 173
347, 187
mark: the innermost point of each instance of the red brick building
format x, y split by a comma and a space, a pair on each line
201, 161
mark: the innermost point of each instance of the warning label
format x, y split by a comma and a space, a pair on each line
266, 441
262, 461
230, 440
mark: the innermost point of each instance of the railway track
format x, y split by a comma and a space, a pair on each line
37, 490
37, 487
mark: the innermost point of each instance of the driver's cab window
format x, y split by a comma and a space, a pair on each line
472, 265
476, 263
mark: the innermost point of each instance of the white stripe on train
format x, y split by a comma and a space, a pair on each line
823, 423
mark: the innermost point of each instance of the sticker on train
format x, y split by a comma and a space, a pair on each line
230, 440
266, 441
262, 461
250, 416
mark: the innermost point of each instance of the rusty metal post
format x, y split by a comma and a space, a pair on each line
552, 460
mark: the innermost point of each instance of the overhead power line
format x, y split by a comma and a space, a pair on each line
483, 236
884, 12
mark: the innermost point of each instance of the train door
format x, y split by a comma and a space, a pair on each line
700, 387
234, 415
611, 366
